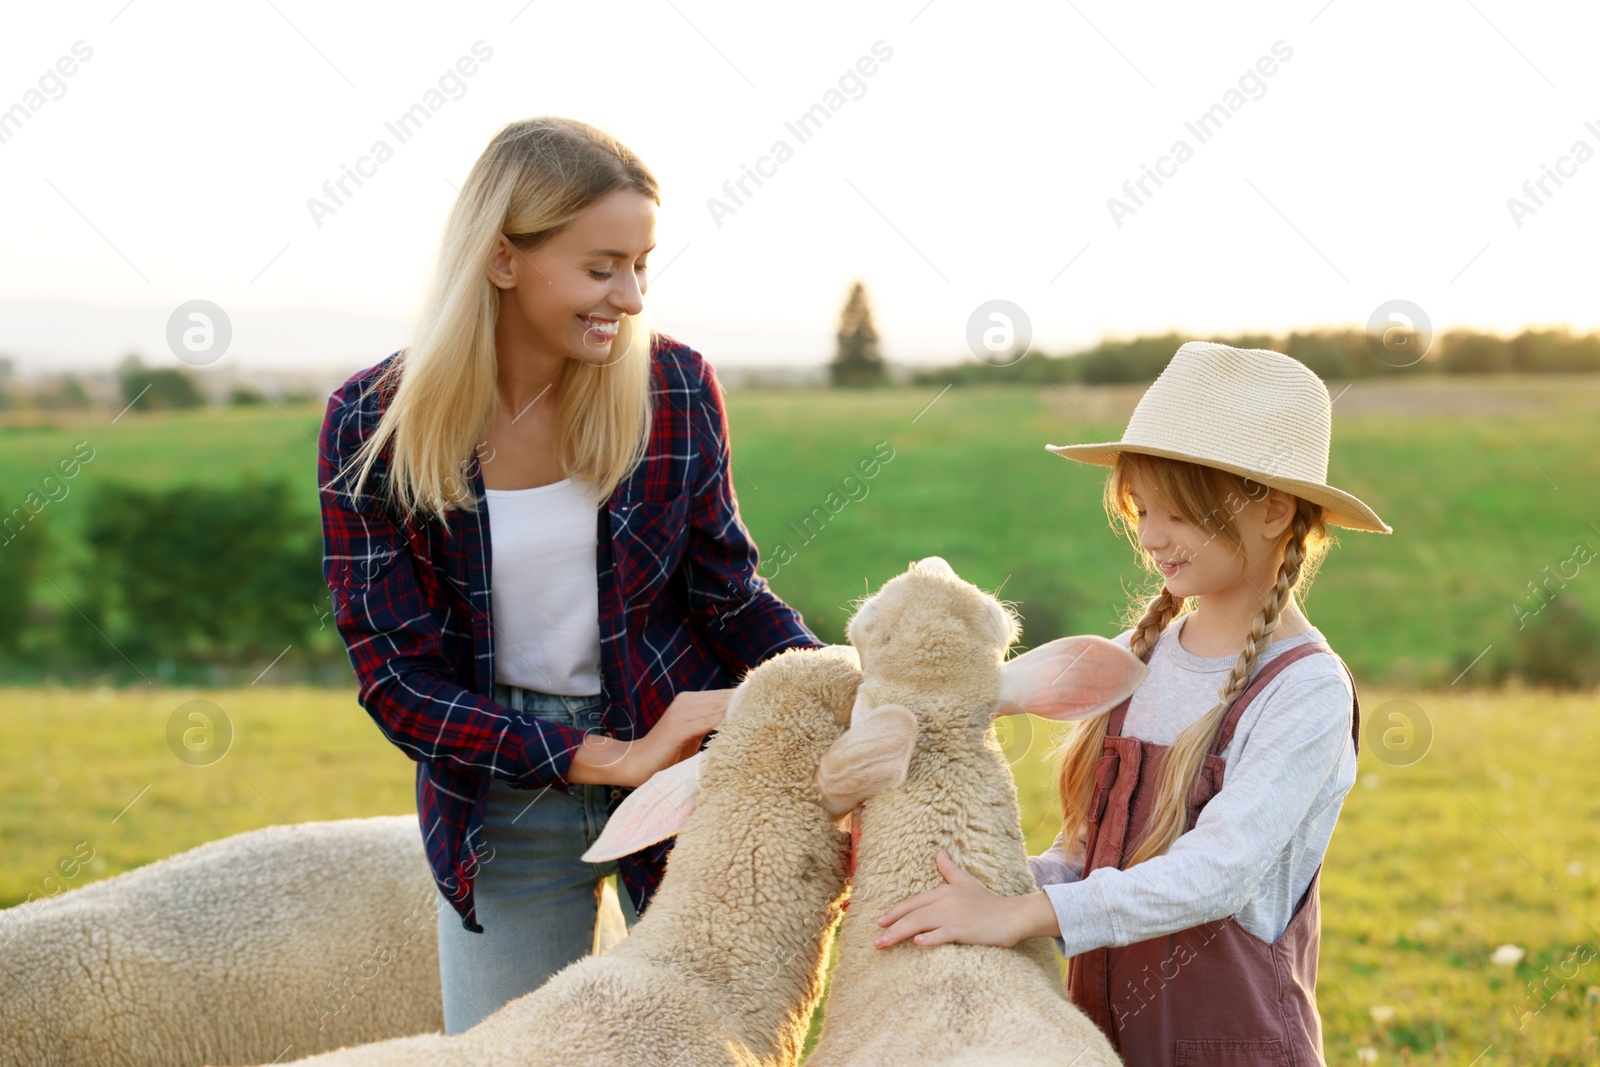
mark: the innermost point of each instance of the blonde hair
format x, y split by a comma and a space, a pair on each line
1206, 497
536, 176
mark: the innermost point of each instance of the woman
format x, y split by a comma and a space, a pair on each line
594, 643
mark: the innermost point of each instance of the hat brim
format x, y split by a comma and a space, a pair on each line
1339, 507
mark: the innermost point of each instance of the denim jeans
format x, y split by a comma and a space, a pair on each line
536, 899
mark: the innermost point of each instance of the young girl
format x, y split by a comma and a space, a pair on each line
623, 599
1184, 884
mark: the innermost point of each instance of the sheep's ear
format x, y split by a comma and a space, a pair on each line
871, 756
861, 624
1069, 678
651, 813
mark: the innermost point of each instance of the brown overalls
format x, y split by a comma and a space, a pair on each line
1214, 994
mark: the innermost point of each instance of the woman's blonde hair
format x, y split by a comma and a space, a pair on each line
535, 177
1207, 498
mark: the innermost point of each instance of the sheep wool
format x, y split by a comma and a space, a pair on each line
727, 963
280, 942
934, 644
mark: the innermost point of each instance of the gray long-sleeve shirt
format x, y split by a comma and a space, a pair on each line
1260, 839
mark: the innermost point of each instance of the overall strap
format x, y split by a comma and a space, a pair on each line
1258, 682
1355, 706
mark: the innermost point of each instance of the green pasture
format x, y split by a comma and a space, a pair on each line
1492, 838
1489, 483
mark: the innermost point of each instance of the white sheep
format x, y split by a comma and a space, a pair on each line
934, 644
280, 942
727, 963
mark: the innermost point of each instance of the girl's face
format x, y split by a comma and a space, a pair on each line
1195, 562
567, 296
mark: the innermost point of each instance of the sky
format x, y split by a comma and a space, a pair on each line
1358, 153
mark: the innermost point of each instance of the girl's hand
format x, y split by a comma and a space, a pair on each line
963, 910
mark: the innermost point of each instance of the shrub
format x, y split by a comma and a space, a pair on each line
201, 573
1559, 647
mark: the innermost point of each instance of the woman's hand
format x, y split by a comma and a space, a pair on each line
676, 736
963, 911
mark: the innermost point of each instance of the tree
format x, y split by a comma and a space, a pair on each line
147, 388
1466, 352
66, 392
857, 361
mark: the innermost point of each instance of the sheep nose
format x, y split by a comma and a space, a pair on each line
937, 565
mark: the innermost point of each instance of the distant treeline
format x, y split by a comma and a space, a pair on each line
139, 388
1333, 354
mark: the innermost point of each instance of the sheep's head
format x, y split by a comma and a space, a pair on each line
927, 630
929, 627
816, 683
781, 718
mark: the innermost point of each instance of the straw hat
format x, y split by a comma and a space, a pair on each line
1251, 411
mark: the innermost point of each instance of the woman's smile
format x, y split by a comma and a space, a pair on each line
600, 329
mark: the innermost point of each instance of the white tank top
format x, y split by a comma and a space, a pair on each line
545, 595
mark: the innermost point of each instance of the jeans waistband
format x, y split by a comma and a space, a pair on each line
578, 711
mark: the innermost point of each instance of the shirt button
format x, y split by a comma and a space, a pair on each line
616, 792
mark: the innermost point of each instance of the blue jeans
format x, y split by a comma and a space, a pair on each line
536, 899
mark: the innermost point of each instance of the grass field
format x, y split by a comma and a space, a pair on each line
1487, 482
1489, 840
1493, 838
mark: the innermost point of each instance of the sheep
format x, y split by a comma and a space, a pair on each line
727, 963
290, 939
933, 643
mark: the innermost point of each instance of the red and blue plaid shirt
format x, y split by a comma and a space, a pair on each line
681, 608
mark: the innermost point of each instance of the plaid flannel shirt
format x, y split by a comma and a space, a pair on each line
681, 608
